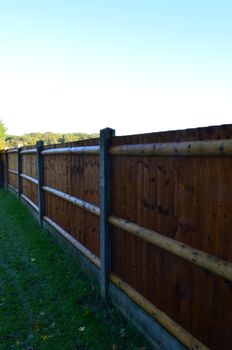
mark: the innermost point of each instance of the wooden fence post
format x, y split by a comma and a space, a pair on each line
40, 175
105, 189
19, 173
6, 169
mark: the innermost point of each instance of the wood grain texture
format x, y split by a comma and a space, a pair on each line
186, 199
29, 189
76, 175
2, 168
13, 165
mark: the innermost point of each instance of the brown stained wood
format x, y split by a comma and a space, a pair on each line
76, 175
77, 185
30, 190
13, 180
187, 199
32, 204
131, 211
76, 201
12, 171
87, 253
220, 132
215, 148
58, 210
89, 150
29, 178
197, 257
29, 165
13, 165
181, 334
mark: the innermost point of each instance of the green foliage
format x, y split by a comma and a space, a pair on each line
49, 138
46, 301
2, 135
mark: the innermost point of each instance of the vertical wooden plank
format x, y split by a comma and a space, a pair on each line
105, 189
19, 172
2, 171
6, 169
40, 173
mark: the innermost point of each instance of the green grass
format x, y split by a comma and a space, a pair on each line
46, 301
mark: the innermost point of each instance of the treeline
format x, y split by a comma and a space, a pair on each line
12, 141
2, 135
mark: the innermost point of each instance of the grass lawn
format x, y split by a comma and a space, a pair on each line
46, 301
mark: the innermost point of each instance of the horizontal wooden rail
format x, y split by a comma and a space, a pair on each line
91, 150
86, 252
175, 329
12, 171
28, 151
12, 150
215, 148
13, 188
29, 178
74, 200
197, 257
30, 202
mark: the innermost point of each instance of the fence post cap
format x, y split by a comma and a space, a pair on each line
39, 144
107, 132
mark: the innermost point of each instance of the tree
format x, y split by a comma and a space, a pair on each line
2, 135
49, 138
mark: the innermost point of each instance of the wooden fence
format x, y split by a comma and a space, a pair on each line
153, 212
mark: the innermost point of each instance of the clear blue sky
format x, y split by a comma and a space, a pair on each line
136, 66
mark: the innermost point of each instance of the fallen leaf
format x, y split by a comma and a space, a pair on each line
35, 327
122, 332
45, 337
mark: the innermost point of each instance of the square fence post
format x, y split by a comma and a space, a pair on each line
40, 176
6, 169
105, 189
19, 172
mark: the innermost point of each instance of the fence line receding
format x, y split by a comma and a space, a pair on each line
159, 228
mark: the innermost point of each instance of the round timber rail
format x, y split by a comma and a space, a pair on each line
175, 329
13, 188
12, 150
12, 171
215, 148
91, 150
86, 252
197, 257
28, 151
29, 178
74, 200
32, 204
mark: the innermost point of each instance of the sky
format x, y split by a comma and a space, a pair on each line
135, 66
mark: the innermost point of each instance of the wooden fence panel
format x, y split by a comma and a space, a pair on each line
187, 199
2, 168
77, 175
13, 165
29, 165
30, 190
29, 168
